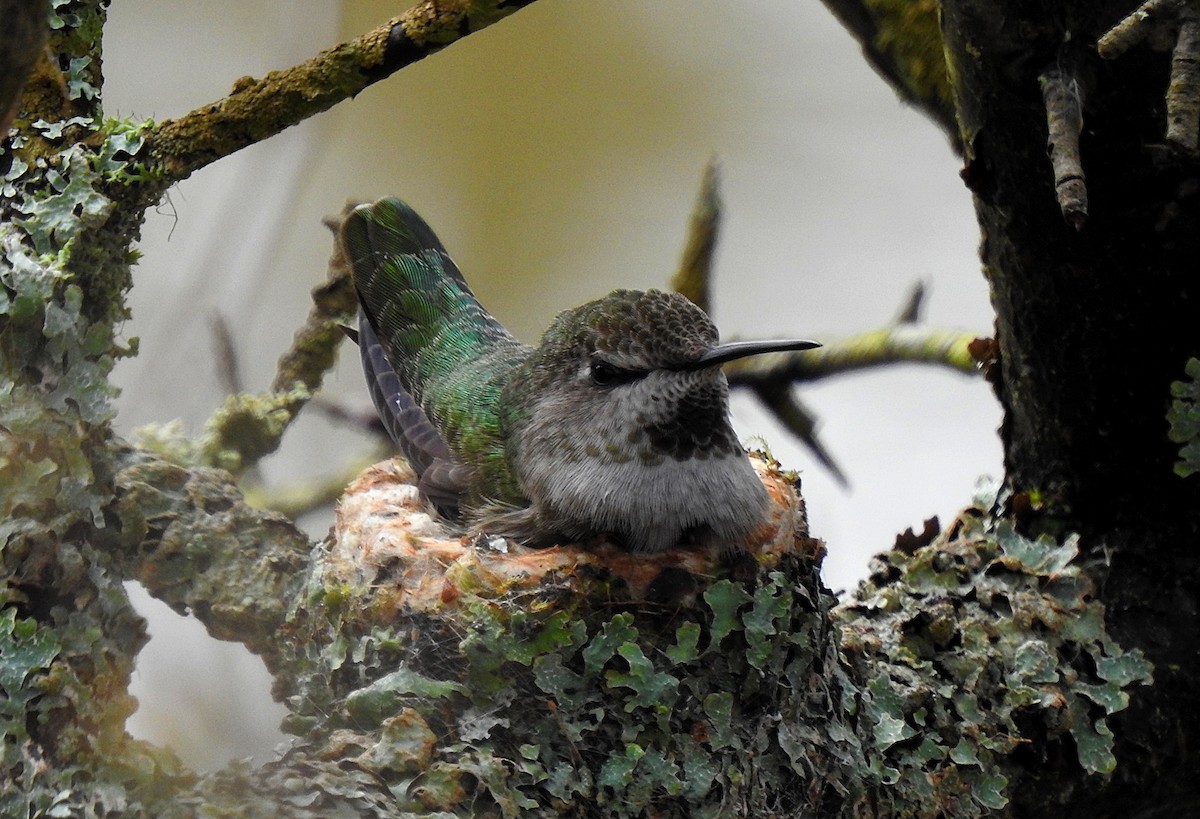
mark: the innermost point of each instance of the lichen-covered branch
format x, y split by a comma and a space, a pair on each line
1164, 20
314, 345
1183, 93
190, 539
1137, 26
890, 345
256, 109
249, 426
1005, 634
901, 39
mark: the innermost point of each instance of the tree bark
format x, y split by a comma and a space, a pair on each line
1093, 325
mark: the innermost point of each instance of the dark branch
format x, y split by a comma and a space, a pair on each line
22, 39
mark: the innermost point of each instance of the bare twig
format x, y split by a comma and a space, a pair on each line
1063, 97
910, 313
695, 271
228, 371
363, 420
256, 109
799, 420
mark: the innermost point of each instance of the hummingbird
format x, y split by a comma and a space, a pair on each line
615, 424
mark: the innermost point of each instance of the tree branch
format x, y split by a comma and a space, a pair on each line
695, 268
256, 109
1062, 94
249, 426
875, 348
22, 39
902, 42
190, 539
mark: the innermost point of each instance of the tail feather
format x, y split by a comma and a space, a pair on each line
436, 360
413, 294
440, 478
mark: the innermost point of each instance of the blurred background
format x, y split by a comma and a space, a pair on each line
557, 154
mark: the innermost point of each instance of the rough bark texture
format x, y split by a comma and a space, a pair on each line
1093, 326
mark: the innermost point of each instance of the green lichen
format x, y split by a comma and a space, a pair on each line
541, 704
1184, 418
909, 32
248, 427
120, 156
242, 431
68, 635
972, 647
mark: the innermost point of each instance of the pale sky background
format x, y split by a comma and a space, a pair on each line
557, 154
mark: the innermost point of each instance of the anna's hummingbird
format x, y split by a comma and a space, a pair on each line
616, 424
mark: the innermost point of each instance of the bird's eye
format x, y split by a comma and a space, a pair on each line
607, 375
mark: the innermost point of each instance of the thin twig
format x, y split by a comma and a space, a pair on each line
363, 420
1063, 97
799, 420
228, 369
695, 270
910, 313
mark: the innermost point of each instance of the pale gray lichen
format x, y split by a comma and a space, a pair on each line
972, 648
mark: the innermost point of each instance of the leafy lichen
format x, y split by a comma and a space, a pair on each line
538, 708
1184, 418
974, 647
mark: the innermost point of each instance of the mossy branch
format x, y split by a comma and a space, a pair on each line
189, 537
256, 109
901, 39
900, 344
250, 426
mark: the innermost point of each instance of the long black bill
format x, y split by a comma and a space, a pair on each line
740, 349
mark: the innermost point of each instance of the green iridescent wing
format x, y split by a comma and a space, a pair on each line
435, 359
